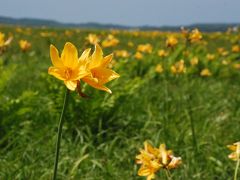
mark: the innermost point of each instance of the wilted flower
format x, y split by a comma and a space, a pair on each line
24, 45
145, 48
205, 72
92, 39
153, 159
235, 155
162, 53
178, 67
195, 36
171, 41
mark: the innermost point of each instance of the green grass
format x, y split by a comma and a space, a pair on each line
103, 134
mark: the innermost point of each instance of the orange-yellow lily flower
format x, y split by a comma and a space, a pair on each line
99, 73
68, 68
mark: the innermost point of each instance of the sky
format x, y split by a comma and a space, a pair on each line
126, 12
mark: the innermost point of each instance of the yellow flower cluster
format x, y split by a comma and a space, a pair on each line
153, 159
178, 67
92, 69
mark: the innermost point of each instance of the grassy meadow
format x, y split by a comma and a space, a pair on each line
162, 95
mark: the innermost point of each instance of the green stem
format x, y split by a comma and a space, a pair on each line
236, 169
169, 177
59, 135
194, 139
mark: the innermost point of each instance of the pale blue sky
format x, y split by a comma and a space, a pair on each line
126, 12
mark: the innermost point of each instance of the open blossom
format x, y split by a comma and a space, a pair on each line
235, 155
110, 41
4, 42
171, 41
145, 48
92, 39
122, 53
178, 67
24, 45
100, 74
205, 72
195, 36
162, 53
159, 68
153, 159
68, 68
91, 69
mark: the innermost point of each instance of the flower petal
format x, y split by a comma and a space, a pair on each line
144, 171
94, 83
71, 85
85, 54
107, 60
56, 61
69, 55
96, 57
104, 75
58, 73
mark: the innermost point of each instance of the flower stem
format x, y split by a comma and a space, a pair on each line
169, 177
236, 169
59, 135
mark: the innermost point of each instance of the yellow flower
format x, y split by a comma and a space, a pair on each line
68, 68
122, 53
195, 36
194, 61
210, 57
153, 159
4, 43
159, 68
235, 155
236, 48
138, 55
236, 66
145, 48
162, 53
24, 45
171, 41
205, 72
222, 51
130, 44
99, 73
92, 39
178, 67
110, 41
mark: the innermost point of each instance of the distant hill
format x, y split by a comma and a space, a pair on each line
51, 23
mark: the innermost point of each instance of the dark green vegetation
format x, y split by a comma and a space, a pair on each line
103, 134
211, 27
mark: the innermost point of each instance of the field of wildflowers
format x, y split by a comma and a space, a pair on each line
138, 104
